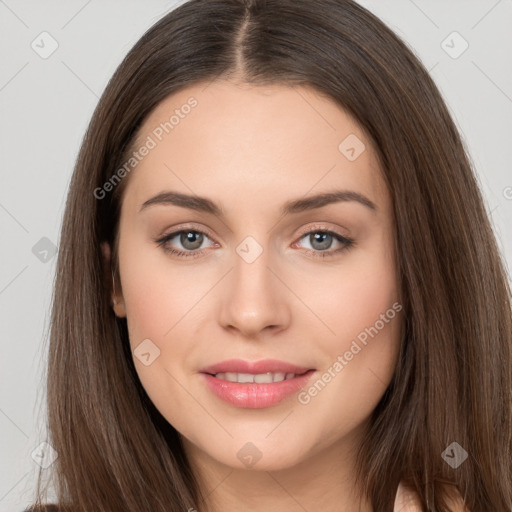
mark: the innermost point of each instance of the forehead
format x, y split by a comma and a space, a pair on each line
242, 139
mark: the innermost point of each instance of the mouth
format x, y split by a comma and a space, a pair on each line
255, 385
260, 378
255, 368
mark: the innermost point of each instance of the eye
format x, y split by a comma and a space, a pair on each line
321, 240
192, 240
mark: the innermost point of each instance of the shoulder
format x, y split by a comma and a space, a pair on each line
408, 500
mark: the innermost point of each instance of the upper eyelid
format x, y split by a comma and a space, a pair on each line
320, 227
324, 229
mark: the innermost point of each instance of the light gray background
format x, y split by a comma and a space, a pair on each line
46, 104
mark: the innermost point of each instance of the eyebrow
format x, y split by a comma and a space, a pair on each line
203, 204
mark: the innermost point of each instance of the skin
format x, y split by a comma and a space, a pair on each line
251, 149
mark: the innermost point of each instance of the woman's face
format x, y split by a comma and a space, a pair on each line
274, 269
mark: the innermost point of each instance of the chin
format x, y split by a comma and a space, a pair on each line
259, 456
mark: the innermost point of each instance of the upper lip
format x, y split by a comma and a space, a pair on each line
254, 367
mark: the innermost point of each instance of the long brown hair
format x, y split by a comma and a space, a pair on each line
453, 379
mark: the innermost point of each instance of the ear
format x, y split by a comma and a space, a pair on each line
113, 283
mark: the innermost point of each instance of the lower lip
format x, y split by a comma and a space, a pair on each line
253, 395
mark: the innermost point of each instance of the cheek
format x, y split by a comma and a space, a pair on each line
357, 362
159, 294
369, 292
159, 301
353, 295
364, 316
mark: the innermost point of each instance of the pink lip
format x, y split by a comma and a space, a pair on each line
255, 367
253, 395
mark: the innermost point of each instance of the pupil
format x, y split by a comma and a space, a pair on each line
321, 237
188, 238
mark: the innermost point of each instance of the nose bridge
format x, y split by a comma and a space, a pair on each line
252, 279
254, 300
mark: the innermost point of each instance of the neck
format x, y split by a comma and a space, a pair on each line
323, 481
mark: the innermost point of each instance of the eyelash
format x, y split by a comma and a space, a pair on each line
348, 243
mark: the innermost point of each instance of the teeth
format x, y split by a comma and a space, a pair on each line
245, 377
262, 378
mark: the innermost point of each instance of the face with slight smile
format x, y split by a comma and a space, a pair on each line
313, 287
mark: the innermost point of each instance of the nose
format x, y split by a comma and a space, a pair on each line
254, 298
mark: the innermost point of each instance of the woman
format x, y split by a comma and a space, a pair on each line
277, 284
